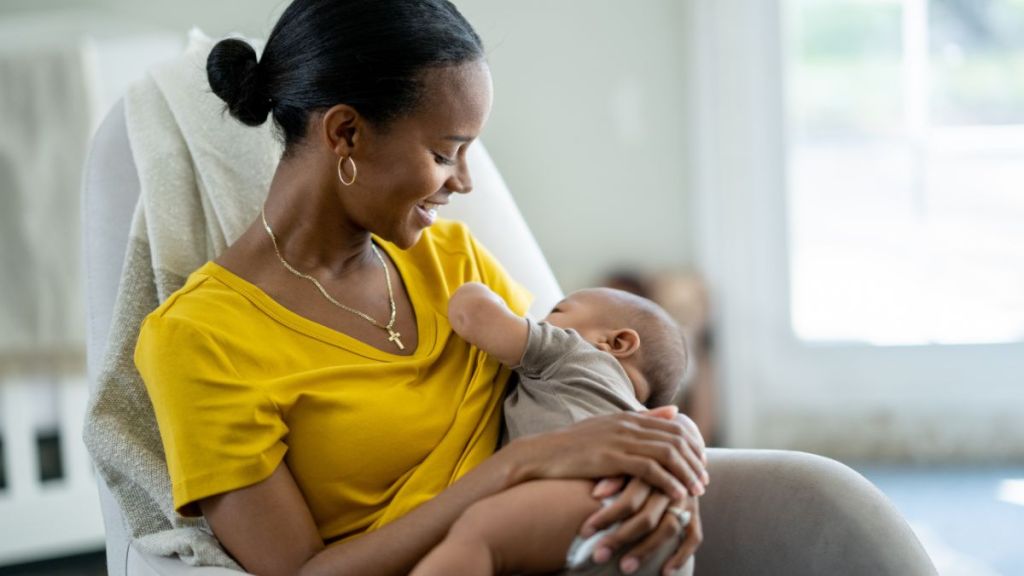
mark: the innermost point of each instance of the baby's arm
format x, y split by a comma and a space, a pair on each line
482, 318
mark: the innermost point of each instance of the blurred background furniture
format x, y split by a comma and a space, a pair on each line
59, 72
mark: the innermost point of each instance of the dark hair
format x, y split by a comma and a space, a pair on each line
663, 356
368, 54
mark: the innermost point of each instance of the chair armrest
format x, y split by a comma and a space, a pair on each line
778, 512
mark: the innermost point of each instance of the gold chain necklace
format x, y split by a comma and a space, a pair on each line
393, 336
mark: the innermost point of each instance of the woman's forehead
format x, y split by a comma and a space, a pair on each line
457, 99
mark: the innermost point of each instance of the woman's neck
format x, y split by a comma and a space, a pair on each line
312, 230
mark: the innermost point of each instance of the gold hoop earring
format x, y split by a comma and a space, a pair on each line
341, 175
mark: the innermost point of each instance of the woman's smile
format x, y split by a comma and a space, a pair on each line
427, 210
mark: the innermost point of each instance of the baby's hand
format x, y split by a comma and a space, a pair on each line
482, 318
468, 303
474, 291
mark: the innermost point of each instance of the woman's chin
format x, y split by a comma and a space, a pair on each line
408, 238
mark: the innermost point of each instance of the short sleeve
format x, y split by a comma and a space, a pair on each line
498, 279
546, 347
220, 433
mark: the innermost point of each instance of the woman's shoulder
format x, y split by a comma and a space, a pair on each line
205, 300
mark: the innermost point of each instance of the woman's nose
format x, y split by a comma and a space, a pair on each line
461, 181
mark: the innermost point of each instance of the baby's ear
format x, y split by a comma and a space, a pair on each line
624, 342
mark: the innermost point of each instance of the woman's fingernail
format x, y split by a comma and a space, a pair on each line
699, 489
602, 554
629, 565
587, 531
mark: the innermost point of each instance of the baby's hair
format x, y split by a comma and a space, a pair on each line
662, 355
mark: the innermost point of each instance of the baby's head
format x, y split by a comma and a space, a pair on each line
639, 333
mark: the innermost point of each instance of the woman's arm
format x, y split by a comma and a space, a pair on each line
269, 529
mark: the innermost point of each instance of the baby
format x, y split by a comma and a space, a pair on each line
599, 351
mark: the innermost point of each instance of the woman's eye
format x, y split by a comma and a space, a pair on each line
443, 160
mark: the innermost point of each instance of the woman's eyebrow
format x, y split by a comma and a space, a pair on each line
456, 138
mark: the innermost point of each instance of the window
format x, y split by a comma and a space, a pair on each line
906, 170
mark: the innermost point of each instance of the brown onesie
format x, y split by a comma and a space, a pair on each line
564, 379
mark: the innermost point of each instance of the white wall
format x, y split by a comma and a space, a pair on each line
216, 17
589, 127
589, 123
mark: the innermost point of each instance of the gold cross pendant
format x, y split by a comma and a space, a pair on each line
396, 338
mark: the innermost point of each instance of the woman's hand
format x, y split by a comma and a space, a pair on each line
692, 540
658, 450
641, 509
645, 523
693, 440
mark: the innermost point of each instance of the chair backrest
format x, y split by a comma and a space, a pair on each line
111, 189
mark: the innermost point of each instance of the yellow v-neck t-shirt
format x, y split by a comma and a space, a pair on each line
239, 382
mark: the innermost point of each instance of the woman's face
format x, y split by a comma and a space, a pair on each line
409, 170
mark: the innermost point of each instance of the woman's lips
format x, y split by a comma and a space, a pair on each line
427, 213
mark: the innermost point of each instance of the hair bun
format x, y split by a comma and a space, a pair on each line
233, 72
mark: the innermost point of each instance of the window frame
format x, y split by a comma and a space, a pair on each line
927, 402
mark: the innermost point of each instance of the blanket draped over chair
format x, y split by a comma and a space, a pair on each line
196, 198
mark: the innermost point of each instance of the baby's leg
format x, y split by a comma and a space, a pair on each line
526, 529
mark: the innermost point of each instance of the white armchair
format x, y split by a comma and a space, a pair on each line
766, 512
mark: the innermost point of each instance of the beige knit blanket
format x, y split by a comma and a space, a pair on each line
203, 177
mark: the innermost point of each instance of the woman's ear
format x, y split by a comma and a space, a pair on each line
623, 343
341, 126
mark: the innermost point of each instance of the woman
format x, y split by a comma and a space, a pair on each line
313, 402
